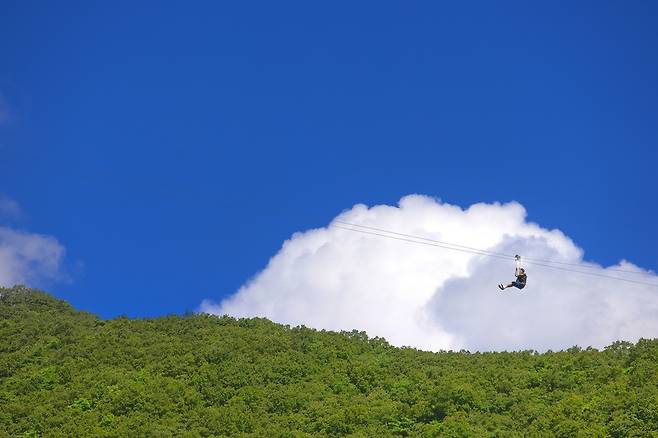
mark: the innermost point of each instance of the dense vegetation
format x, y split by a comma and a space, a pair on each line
68, 373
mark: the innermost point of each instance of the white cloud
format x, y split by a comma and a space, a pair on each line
28, 258
433, 298
9, 208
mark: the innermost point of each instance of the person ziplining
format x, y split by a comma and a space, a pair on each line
519, 273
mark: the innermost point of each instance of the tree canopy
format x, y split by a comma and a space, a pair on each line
68, 373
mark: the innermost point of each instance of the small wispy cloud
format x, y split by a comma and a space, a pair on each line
9, 208
27, 258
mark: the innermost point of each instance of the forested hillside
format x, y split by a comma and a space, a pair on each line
69, 373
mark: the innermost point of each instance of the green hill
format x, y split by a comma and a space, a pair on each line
69, 373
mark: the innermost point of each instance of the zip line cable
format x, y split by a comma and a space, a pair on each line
628, 280
427, 239
462, 248
624, 271
423, 243
483, 251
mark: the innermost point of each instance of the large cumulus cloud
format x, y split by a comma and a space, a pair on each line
434, 298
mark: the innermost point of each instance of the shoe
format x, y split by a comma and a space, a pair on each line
500, 286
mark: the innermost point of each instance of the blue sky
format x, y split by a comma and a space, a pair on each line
171, 148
